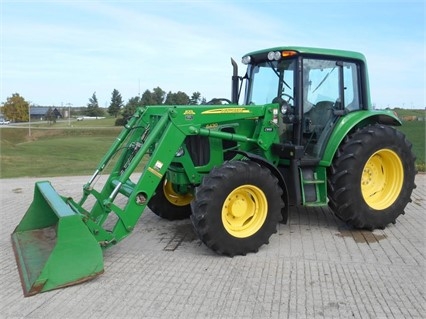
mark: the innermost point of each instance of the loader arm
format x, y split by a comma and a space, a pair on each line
164, 140
157, 135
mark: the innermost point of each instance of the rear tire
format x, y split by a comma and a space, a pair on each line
237, 208
168, 204
372, 177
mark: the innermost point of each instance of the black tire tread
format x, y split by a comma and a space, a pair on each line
206, 221
162, 207
345, 198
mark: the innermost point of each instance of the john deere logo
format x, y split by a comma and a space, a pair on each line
188, 112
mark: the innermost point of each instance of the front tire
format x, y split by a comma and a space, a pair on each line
237, 208
169, 204
372, 177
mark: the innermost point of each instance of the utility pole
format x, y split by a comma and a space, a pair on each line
69, 113
29, 119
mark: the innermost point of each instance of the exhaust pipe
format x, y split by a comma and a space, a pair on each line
235, 82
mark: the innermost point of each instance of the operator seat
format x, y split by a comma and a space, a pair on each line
320, 119
319, 115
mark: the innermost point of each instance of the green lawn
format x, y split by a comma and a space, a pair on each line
50, 152
106, 123
62, 149
415, 132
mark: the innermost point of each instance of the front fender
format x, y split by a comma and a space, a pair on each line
350, 122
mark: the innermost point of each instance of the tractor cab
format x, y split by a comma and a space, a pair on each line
313, 91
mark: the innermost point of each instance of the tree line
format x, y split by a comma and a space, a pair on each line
155, 97
16, 108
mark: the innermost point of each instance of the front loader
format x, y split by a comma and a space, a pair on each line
305, 134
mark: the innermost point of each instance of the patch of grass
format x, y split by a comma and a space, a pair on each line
48, 152
415, 133
409, 112
61, 150
106, 123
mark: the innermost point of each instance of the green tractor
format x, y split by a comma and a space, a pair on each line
305, 134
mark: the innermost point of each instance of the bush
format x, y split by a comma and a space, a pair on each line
120, 121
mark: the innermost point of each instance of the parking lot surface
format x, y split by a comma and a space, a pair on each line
314, 267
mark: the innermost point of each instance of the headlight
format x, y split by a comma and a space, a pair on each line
287, 113
180, 152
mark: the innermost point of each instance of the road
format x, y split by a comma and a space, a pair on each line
314, 267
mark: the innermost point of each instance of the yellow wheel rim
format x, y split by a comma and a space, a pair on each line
382, 179
244, 211
175, 198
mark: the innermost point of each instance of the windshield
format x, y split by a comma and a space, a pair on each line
269, 80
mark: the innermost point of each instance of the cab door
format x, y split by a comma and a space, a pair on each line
329, 91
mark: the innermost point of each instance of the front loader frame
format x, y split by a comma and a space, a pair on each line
59, 241
156, 134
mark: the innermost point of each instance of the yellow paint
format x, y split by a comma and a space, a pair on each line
175, 198
382, 179
153, 171
244, 211
228, 110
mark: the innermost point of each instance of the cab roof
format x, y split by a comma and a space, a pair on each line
312, 51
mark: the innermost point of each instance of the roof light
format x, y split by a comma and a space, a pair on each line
286, 54
274, 55
246, 59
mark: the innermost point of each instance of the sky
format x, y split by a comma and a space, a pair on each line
61, 52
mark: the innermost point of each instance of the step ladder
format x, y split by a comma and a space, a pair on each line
313, 182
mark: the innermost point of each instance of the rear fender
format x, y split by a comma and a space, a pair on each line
352, 121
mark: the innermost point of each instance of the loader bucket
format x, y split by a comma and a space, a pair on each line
53, 246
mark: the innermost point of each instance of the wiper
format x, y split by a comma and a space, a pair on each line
276, 72
325, 78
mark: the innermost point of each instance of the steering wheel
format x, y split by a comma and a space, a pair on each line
281, 101
289, 98
215, 100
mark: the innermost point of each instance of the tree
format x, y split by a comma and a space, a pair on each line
130, 107
179, 98
93, 108
195, 98
16, 108
156, 97
146, 98
50, 116
116, 103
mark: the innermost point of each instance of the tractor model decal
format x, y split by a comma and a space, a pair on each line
228, 110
